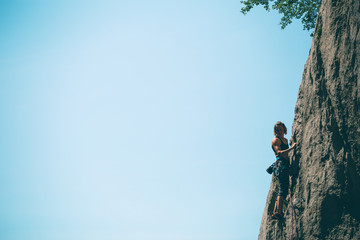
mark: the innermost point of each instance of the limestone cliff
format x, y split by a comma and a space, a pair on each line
325, 181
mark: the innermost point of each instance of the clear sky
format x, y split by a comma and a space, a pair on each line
141, 120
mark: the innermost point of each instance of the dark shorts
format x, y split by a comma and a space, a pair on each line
283, 178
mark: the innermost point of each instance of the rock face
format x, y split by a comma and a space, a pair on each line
325, 181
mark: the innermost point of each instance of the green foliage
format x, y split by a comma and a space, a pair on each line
306, 10
319, 31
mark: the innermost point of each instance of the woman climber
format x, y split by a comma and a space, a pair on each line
281, 149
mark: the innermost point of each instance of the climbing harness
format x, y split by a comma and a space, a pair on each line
271, 168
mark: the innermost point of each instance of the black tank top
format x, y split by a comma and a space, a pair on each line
283, 145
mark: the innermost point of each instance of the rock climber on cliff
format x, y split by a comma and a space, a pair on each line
281, 149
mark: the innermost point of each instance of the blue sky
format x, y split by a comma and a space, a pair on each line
140, 120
